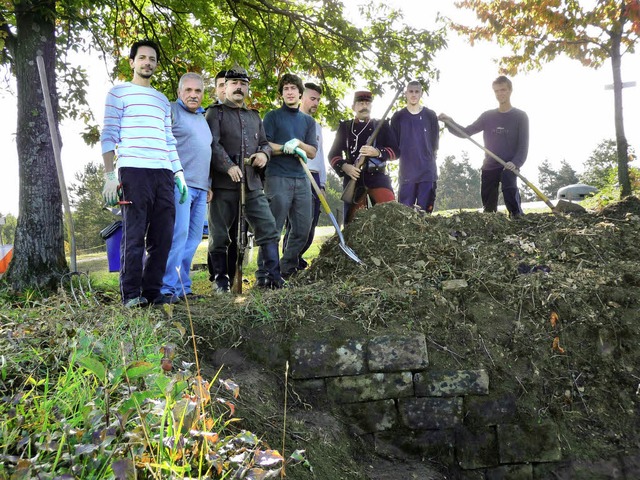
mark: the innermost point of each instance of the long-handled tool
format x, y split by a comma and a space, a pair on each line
73, 273
348, 193
562, 205
236, 287
327, 209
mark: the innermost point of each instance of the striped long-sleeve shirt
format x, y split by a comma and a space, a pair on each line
137, 120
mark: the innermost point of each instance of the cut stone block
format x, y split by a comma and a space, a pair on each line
373, 386
311, 359
450, 383
395, 354
430, 413
482, 411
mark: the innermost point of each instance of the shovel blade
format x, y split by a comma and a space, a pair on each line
565, 206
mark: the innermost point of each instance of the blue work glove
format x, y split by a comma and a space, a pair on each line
182, 186
290, 146
298, 151
110, 189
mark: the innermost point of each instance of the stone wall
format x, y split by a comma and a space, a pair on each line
393, 394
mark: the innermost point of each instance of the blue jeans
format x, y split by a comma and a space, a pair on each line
187, 235
315, 210
289, 198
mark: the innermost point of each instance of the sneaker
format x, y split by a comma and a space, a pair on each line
166, 299
192, 297
137, 302
290, 273
262, 282
275, 284
302, 264
221, 283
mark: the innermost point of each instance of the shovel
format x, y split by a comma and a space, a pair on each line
325, 206
562, 205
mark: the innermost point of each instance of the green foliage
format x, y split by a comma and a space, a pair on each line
609, 189
458, 184
89, 215
8, 230
551, 180
599, 165
540, 31
111, 399
312, 39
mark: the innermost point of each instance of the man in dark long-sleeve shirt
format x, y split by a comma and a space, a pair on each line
506, 134
417, 131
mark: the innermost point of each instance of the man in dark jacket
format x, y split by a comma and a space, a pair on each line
417, 131
239, 138
350, 142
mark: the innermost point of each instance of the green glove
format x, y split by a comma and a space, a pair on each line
182, 186
298, 151
290, 146
110, 189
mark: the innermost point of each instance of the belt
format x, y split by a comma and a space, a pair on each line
375, 169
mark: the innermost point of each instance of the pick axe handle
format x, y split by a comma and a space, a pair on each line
535, 189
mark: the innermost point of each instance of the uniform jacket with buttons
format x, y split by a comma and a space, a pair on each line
237, 133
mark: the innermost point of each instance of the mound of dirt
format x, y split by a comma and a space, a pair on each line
547, 304
626, 207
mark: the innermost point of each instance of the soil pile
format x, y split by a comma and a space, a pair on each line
547, 304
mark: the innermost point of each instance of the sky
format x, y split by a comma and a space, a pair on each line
569, 110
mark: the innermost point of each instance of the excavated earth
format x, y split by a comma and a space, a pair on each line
548, 304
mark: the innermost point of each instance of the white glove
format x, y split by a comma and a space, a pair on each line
110, 189
290, 146
182, 186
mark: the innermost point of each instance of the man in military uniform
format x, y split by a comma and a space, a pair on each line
238, 136
351, 142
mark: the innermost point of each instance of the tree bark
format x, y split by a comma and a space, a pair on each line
621, 139
38, 257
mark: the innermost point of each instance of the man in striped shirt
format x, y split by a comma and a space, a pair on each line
137, 125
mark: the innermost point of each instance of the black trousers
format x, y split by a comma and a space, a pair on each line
224, 213
147, 230
491, 179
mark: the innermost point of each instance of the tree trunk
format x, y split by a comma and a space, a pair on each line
38, 257
621, 139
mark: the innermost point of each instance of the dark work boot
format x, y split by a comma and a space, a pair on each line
222, 283
272, 266
219, 270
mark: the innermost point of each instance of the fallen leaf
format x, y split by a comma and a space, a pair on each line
556, 345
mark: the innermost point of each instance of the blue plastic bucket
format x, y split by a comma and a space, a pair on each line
113, 236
